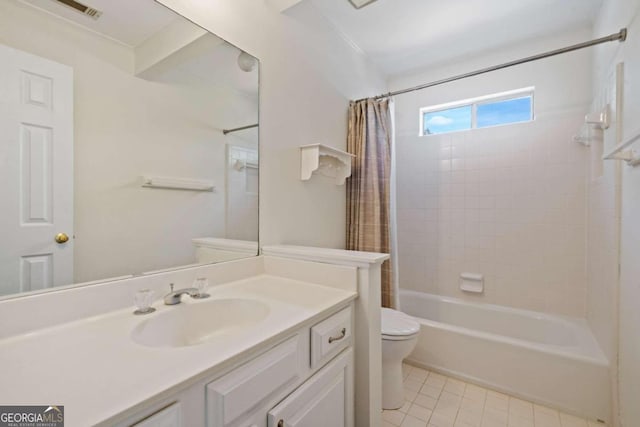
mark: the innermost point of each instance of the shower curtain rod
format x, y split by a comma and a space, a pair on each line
619, 36
226, 131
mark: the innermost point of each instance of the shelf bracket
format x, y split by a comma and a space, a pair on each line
620, 152
325, 160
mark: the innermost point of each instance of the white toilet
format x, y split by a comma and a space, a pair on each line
399, 337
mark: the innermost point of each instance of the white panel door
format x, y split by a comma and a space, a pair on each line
36, 172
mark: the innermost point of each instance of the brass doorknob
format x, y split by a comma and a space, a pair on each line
62, 238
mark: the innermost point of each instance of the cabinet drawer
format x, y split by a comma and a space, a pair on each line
238, 392
330, 336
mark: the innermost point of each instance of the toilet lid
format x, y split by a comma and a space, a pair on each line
397, 323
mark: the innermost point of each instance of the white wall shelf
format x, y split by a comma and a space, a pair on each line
325, 160
177, 183
620, 152
600, 118
593, 124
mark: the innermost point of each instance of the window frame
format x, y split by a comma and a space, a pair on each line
474, 102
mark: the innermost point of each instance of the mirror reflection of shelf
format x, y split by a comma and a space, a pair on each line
177, 183
244, 164
213, 249
326, 161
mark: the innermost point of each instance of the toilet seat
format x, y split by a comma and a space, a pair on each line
398, 326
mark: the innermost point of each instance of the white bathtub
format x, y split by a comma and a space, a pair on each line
548, 359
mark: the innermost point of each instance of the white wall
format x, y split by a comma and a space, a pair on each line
126, 127
308, 74
624, 324
508, 202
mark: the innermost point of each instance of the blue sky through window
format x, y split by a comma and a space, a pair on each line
449, 120
503, 112
493, 110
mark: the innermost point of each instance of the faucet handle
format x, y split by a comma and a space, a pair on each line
171, 286
201, 284
143, 300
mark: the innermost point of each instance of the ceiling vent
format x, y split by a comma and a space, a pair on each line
84, 9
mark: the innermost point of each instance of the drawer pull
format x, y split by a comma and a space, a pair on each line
343, 333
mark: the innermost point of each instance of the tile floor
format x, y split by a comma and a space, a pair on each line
435, 400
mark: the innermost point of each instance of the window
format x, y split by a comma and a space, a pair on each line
493, 110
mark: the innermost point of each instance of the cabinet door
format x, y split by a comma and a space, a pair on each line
326, 399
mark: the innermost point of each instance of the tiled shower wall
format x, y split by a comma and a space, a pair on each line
507, 202
603, 220
613, 294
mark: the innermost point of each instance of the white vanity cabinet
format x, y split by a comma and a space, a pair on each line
240, 397
306, 380
252, 395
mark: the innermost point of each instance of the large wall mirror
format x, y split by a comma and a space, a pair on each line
128, 143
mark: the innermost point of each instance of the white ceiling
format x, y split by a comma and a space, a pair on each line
405, 35
221, 65
129, 21
211, 61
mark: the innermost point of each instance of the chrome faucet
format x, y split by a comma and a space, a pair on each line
173, 297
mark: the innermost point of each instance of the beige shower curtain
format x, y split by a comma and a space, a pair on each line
369, 187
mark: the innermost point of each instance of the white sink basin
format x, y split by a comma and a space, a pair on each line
191, 324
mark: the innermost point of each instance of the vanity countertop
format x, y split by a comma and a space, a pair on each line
94, 368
